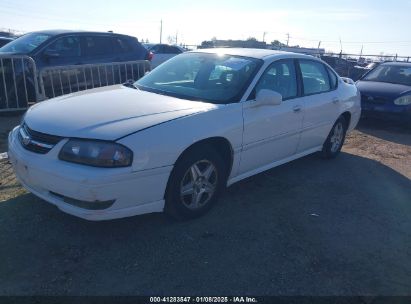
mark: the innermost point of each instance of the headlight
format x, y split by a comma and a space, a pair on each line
96, 153
403, 101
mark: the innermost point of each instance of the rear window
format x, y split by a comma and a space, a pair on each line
315, 77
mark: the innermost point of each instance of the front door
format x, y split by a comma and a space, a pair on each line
271, 133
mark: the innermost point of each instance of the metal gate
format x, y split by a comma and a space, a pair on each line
18, 82
56, 81
21, 84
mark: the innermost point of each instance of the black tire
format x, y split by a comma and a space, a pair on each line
176, 205
329, 149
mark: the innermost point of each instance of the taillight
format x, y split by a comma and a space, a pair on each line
150, 56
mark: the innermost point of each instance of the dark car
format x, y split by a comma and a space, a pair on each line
386, 91
62, 48
5, 40
162, 52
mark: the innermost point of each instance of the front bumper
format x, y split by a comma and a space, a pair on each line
387, 111
45, 176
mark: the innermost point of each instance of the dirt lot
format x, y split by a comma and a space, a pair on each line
310, 227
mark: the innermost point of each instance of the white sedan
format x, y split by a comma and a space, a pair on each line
171, 142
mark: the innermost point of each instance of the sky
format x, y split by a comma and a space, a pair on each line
376, 26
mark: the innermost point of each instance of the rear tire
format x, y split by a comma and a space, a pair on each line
195, 183
335, 140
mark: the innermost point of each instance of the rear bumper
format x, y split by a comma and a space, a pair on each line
45, 176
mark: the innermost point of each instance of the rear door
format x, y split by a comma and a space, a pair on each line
321, 103
97, 49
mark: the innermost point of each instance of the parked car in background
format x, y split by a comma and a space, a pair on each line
5, 40
162, 52
361, 70
63, 48
386, 91
173, 140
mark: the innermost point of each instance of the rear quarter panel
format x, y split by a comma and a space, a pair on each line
351, 102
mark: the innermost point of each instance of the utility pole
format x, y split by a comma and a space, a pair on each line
318, 48
176, 36
161, 29
288, 38
264, 36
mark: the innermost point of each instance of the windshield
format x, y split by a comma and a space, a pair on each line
25, 44
390, 73
202, 76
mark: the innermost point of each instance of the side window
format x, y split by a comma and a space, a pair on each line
174, 50
315, 77
156, 49
163, 49
121, 45
65, 47
333, 79
97, 45
279, 77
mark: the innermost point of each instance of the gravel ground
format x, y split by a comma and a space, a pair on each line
310, 227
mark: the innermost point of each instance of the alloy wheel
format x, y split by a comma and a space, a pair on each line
198, 184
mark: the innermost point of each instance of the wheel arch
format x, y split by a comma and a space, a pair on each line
347, 117
220, 144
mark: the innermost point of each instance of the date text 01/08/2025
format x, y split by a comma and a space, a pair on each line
203, 300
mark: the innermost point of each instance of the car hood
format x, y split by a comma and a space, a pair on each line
108, 113
382, 89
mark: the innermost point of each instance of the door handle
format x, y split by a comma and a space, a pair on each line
336, 100
297, 108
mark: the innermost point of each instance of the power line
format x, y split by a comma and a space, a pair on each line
337, 41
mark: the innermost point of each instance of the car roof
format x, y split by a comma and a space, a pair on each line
397, 63
253, 53
62, 32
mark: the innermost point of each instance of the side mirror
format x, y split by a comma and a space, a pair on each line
268, 98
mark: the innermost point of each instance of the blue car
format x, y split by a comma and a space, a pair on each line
62, 48
386, 92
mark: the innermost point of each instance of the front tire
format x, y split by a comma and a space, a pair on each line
335, 140
195, 183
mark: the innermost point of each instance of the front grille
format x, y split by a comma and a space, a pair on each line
374, 99
36, 141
